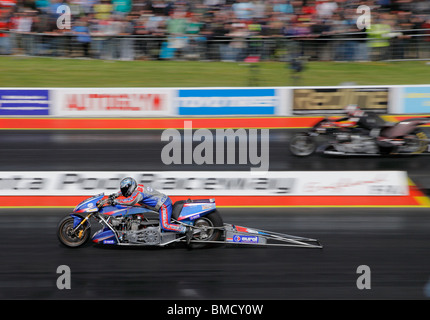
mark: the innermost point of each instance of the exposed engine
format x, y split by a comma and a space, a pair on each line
149, 235
355, 144
134, 229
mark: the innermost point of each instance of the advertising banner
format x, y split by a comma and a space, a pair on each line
334, 100
416, 100
63, 189
24, 102
229, 101
113, 102
210, 183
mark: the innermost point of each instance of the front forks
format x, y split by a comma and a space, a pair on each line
81, 223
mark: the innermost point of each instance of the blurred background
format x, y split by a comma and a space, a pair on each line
217, 30
205, 43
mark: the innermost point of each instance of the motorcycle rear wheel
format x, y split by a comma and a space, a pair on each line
418, 144
69, 238
205, 225
302, 145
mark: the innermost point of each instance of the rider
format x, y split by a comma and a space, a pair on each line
364, 121
138, 193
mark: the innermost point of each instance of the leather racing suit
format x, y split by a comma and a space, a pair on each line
365, 122
158, 201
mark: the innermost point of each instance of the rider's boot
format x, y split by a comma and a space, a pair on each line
189, 234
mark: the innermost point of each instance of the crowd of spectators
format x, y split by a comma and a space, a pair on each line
229, 30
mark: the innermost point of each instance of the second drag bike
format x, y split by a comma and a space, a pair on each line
403, 137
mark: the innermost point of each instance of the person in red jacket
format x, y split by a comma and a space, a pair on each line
5, 25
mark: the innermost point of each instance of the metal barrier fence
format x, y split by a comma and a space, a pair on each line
343, 47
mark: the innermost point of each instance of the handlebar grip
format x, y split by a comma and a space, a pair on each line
102, 202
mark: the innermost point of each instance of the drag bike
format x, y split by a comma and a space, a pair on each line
139, 226
403, 137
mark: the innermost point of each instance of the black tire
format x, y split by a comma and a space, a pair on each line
68, 239
420, 142
415, 143
386, 151
302, 145
213, 219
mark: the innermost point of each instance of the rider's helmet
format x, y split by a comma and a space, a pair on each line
127, 186
353, 110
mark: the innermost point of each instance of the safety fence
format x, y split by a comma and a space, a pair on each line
396, 45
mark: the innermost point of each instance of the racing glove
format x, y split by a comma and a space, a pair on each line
112, 198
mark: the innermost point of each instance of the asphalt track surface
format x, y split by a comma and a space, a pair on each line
394, 243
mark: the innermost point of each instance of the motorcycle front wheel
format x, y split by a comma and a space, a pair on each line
71, 239
302, 145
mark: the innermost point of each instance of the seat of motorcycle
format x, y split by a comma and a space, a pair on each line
177, 208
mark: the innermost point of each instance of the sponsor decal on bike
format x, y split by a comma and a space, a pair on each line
193, 216
245, 239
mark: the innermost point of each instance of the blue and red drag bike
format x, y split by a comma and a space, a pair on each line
139, 226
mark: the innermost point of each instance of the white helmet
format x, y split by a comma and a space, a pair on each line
353, 110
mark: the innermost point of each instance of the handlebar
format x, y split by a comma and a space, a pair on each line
101, 203
110, 199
